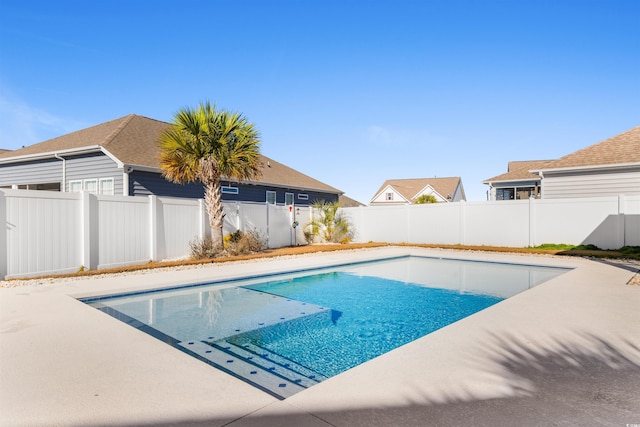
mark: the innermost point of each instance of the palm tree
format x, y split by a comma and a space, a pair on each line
204, 145
425, 198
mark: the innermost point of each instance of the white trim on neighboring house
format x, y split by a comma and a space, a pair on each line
614, 166
381, 197
439, 197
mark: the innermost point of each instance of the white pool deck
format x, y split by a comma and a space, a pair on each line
564, 353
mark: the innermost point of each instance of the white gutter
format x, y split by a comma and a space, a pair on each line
50, 154
587, 168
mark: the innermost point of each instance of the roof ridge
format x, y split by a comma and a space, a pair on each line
117, 130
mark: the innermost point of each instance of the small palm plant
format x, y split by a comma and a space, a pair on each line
329, 224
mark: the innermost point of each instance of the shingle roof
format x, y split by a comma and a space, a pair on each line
409, 188
519, 171
133, 140
620, 149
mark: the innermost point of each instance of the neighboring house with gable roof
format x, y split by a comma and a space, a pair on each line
610, 167
406, 191
121, 157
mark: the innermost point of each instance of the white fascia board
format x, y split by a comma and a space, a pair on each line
433, 191
593, 168
52, 154
384, 190
489, 182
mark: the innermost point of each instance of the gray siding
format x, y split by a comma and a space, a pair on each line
92, 166
83, 167
38, 172
593, 184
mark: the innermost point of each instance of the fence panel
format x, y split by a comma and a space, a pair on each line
496, 223
632, 221
434, 223
42, 234
578, 221
179, 223
124, 231
280, 230
379, 223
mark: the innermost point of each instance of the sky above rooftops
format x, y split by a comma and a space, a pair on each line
350, 92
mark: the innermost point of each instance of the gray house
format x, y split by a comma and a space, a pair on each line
120, 157
608, 168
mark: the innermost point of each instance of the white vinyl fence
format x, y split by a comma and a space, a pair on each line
607, 222
50, 232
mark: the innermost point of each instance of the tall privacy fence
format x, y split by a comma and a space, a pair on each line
50, 232
607, 222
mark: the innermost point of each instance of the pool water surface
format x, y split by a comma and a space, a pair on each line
287, 332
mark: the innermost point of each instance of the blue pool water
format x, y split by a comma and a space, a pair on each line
369, 317
288, 332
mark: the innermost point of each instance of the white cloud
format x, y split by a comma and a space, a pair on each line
22, 125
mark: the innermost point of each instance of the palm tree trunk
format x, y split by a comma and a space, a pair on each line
213, 200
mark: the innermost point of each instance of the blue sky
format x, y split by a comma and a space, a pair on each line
349, 92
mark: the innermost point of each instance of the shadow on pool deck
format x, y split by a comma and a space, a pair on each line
593, 383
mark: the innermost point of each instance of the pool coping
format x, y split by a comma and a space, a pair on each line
62, 362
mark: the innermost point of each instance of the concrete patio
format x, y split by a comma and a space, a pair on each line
564, 353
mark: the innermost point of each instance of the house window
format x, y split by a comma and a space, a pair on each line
524, 193
91, 185
302, 196
271, 197
106, 186
389, 197
75, 186
227, 189
504, 194
288, 199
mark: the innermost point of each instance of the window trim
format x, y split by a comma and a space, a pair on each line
75, 182
100, 189
303, 196
87, 182
292, 199
275, 197
229, 189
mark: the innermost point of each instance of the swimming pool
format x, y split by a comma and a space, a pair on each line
286, 332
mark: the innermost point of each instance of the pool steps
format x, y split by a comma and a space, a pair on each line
257, 366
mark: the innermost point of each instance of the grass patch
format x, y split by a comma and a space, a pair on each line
626, 252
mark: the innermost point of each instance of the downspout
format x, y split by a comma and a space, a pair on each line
64, 171
126, 170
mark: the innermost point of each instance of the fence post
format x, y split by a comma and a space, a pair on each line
463, 221
532, 222
153, 227
3, 236
622, 232
89, 230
